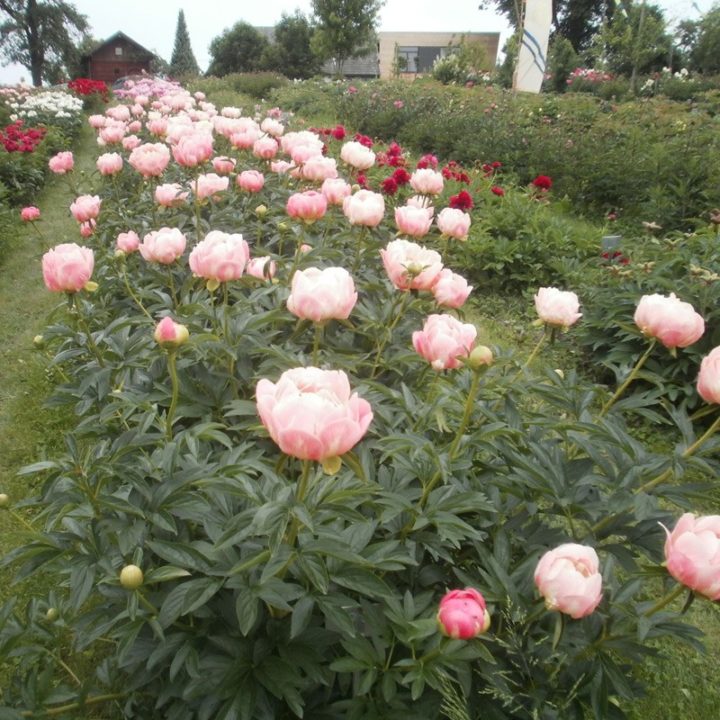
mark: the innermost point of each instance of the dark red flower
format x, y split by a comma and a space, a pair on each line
389, 186
338, 132
427, 161
394, 149
497, 190
362, 181
462, 201
364, 140
401, 176
542, 182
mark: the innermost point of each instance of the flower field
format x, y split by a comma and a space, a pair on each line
304, 481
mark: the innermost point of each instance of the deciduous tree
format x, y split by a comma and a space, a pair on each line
238, 49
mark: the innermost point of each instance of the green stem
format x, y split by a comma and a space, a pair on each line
19, 518
628, 379
172, 369
302, 489
316, 343
660, 604
86, 329
534, 352
197, 212
173, 292
405, 294
359, 247
147, 603
132, 294
62, 709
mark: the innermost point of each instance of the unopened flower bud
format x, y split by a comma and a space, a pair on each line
170, 334
131, 577
560, 373
38, 341
4, 500
261, 211
481, 356
51, 615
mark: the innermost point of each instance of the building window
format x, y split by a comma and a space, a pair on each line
118, 51
407, 59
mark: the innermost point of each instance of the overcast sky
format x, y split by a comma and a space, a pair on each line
152, 24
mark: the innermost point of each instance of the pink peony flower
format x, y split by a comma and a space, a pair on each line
30, 213
336, 190
673, 322
319, 168
364, 208
170, 195
61, 163
130, 142
413, 221
444, 341
692, 552
410, 266
67, 267
244, 139
209, 185
193, 149
451, 290
281, 166
128, 242
312, 414
150, 159
265, 148
163, 246
223, 165
112, 133
109, 164
307, 206
708, 384
557, 307
454, 223
427, 182
262, 268
220, 257
321, 295
462, 614
87, 228
568, 578
250, 181
170, 334
357, 155
272, 127
85, 207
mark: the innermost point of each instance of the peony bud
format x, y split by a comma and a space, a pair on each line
39, 341
131, 577
261, 211
52, 614
462, 614
480, 357
4, 500
169, 334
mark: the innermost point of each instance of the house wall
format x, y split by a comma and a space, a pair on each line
389, 40
105, 64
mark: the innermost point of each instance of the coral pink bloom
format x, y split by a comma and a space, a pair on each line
708, 384
454, 223
112, 133
410, 266
30, 213
109, 164
170, 334
272, 127
357, 155
463, 615
265, 148
245, 139
321, 295
557, 307
128, 242
427, 182
307, 206
193, 149
444, 341
67, 267
692, 552
85, 207
364, 208
220, 256
451, 290
87, 228
262, 268
157, 126
673, 322
568, 578
251, 181
121, 113
130, 142
304, 153
150, 159
62, 163
163, 246
223, 165
170, 195
336, 190
312, 414
206, 186
134, 126
319, 168
281, 166
97, 121
413, 221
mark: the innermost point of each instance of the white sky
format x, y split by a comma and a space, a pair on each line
152, 23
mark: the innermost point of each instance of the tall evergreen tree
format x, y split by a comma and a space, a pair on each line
183, 60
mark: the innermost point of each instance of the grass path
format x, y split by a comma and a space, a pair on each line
27, 429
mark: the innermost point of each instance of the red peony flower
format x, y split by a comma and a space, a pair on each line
462, 201
338, 132
364, 140
542, 182
427, 161
389, 186
401, 176
497, 190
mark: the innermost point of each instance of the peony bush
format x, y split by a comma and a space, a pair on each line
309, 489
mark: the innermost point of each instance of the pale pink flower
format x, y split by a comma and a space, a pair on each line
87, 228
245, 139
120, 113
708, 384
321, 295
209, 185
411, 266
61, 163
365, 208
673, 322
281, 166
250, 181
451, 290
557, 307
170, 195
109, 164
220, 256
312, 414
272, 127
112, 133
130, 142
265, 148
357, 155
30, 213
163, 246
463, 615
421, 201
336, 190
692, 552
193, 149
413, 221
97, 121
427, 182
170, 334
262, 268
444, 341
67, 267
223, 165
157, 126
134, 126
307, 206
454, 223
128, 241
150, 159
85, 207
569, 579
319, 168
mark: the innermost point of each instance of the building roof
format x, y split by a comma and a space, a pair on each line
120, 36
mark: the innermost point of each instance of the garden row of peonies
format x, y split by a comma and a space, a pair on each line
299, 483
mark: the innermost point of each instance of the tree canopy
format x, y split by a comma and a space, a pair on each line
238, 49
291, 53
41, 35
183, 60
